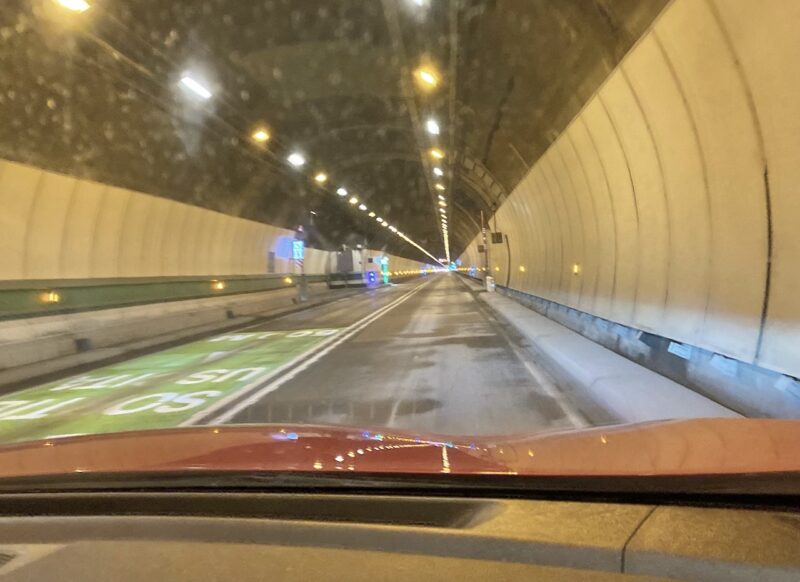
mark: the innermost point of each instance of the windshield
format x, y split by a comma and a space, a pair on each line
475, 236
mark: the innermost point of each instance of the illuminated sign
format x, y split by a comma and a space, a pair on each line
298, 250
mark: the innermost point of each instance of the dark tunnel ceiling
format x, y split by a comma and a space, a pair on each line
94, 95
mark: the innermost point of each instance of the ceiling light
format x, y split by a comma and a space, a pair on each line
372, 215
442, 210
438, 171
342, 192
260, 135
296, 159
393, 229
439, 187
362, 207
385, 223
353, 200
432, 127
436, 153
379, 219
321, 178
441, 197
195, 87
74, 5
426, 77
442, 203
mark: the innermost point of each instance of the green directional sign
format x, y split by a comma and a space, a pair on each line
160, 390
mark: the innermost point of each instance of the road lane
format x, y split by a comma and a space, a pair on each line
437, 363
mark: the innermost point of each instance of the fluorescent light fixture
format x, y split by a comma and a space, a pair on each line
442, 203
362, 207
321, 178
353, 200
393, 229
296, 159
439, 187
75, 5
437, 171
442, 210
260, 135
379, 219
441, 197
342, 192
195, 87
372, 215
436, 153
385, 223
432, 127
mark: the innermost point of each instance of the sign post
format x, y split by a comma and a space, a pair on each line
298, 254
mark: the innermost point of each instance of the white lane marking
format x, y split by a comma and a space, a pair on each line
547, 385
278, 376
541, 378
202, 414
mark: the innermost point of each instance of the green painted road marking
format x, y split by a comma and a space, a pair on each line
160, 390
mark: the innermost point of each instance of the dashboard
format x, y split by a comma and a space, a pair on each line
199, 536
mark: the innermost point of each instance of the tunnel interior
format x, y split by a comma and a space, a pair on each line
96, 96
627, 168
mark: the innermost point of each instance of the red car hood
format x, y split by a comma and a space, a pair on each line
693, 447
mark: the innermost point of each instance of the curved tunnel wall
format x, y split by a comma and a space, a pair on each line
59, 227
674, 193
54, 226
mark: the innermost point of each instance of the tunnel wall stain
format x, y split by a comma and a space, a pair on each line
669, 204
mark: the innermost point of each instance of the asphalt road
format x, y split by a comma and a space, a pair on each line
436, 362
423, 355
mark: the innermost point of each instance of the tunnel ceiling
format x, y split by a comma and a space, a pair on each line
97, 95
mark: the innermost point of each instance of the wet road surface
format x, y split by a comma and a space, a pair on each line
423, 355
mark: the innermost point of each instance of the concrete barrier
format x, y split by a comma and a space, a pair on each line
34, 347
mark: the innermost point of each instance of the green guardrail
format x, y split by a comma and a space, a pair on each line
44, 297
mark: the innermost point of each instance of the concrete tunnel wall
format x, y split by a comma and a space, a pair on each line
54, 226
675, 192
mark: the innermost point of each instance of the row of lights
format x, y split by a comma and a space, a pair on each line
260, 135
576, 269
53, 297
428, 80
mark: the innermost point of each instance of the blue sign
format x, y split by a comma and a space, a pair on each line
298, 250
